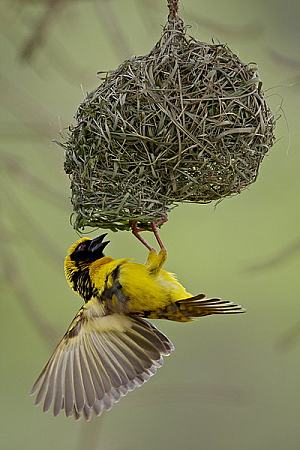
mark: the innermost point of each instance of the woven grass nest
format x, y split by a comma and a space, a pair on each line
187, 122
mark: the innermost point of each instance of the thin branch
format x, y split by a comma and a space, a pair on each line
285, 60
289, 338
110, 22
89, 437
60, 60
9, 132
248, 31
279, 258
146, 11
41, 240
14, 99
15, 283
38, 36
219, 393
36, 184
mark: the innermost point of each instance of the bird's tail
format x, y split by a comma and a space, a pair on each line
197, 306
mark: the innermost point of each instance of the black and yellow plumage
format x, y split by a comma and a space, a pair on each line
109, 349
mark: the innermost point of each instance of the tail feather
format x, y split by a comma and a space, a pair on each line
199, 305
189, 308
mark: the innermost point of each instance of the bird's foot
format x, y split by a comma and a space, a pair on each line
136, 230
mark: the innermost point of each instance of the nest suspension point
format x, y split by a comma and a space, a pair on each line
188, 122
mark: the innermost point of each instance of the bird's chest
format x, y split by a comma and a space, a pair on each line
84, 285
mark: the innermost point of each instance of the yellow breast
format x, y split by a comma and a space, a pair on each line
145, 291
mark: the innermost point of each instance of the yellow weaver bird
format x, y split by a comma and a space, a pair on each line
109, 349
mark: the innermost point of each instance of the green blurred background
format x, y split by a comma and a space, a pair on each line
233, 382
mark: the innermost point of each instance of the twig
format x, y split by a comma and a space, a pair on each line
285, 60
146, 10
90, 434
36, 184
60, 60
173, 8
14, 280
109, 21
15, 99
38, 36
279, 258
251, 30
40, 240
289, 338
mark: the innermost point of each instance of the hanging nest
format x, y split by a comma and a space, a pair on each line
186, 123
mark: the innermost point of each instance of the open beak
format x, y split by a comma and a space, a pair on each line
97, 245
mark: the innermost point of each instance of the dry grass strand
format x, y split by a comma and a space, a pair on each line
187, 122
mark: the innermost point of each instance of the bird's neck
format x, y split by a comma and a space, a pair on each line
79, 277
81, 283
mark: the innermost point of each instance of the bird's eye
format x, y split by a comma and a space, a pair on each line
81, 247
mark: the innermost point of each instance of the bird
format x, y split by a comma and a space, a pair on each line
110, 347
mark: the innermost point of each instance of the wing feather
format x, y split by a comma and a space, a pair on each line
99, 360
120, 375
41, 385
69, 386
95, 346
75, 414
125, 347
58, 380
86, 377
77, 383
104, 356
49, 391
94, 368
168, 346
121, 362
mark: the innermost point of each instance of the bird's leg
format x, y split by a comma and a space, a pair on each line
136, 232
157, 236
156, 261
154, 227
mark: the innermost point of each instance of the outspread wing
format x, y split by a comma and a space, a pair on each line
100, 359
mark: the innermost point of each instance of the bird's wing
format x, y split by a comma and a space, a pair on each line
100, 359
